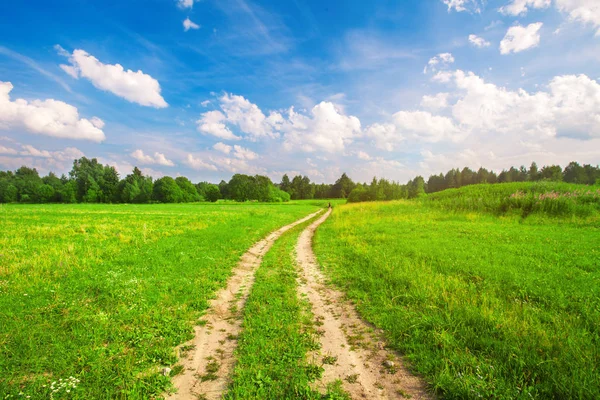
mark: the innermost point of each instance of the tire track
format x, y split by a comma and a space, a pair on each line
208, 359
352, 351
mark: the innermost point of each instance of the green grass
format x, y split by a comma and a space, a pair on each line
278, 332
483, 304
549, 199
104, 293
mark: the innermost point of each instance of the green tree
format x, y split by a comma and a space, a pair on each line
166, 190
212, 193
89, 179
189, 191
342, 187
575, 173
285, 184
416, 187
27, 181
44, 194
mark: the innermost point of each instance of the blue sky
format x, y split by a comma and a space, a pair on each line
210, 88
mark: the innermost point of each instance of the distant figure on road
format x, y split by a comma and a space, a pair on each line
329, 205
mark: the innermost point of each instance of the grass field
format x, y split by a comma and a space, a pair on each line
93, 298
485, 300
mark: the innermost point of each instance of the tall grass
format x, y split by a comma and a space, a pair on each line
523, 198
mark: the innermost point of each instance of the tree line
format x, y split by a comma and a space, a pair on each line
456, 178
92, 182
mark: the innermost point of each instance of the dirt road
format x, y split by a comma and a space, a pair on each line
208, 359
352, 351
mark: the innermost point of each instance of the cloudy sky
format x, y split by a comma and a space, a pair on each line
210, 88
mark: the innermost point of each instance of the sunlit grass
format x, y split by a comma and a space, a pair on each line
104, 293
484, 304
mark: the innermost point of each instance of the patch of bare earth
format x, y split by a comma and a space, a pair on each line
208, 359
352, 351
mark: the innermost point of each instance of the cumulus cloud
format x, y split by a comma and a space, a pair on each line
7, 150
212, 123
198, 164
384, 136
326, 128
519, 38
442, 77
424, 126
436, 102
249, 118
243, 153
570, 107
363, 156
185, 3
188, 24
586, 12
463, 5
43, 160
478, 41
135, 87
223, 148
441, 61
520, 7
157, 159
239, 112
46, 117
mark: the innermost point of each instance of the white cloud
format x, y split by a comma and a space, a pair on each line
478, 41
520, 7
29, 150
244, 115
571, 107
519, 38
243, 153
198, 164
249, 118
211, 123
7, 150
135, 87
157, 159
586, 12
439, 101
185, 3
384, 136
463, 5
43, 160
46, 117
222, 147
442, 77
363, 156
424, 126
188, 24
326, 129
441, 61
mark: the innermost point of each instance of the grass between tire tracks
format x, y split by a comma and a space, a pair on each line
278, 332
484, 306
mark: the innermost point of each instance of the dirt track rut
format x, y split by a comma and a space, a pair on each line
355, 351
209, 359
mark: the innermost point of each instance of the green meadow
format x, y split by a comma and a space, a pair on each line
490, 291
94, 298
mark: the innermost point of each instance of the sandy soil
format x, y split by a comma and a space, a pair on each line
208, 359
355, 350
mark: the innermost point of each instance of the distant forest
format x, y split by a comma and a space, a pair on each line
92, 182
